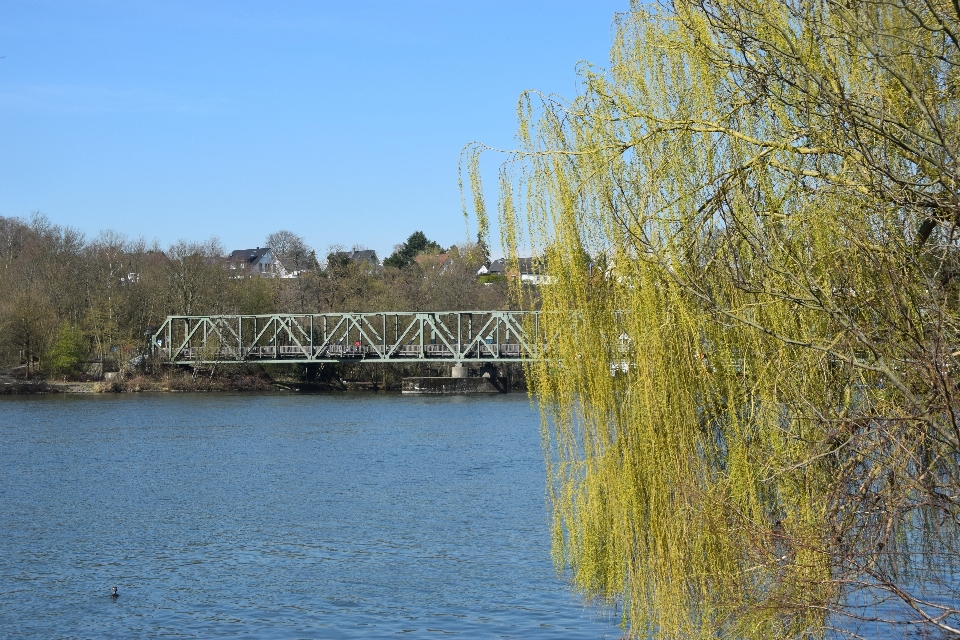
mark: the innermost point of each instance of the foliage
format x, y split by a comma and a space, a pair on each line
194, 275
254, 295
116, 291
750, 403
28, 326
292, 251
68, 352
416, 244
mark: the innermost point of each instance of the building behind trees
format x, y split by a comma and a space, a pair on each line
67, 302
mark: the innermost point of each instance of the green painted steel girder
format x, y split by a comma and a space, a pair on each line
392, 336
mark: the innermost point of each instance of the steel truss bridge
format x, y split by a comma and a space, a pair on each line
437, 336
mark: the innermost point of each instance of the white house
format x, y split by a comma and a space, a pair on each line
257, 262
529, 270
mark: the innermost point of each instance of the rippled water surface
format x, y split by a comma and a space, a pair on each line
318, 516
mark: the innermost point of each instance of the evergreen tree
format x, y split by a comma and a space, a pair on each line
416, 244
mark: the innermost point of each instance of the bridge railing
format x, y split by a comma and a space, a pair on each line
445, 336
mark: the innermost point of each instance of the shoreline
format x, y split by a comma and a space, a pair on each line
91, 388
232, 380
171, 384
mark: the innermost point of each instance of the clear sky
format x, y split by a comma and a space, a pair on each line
340, 121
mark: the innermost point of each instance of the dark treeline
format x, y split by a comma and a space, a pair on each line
67, 301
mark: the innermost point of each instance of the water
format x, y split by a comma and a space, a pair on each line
326, 516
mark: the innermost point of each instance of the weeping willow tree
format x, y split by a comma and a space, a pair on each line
750, 348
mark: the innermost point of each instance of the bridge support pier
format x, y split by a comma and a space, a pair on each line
458, 371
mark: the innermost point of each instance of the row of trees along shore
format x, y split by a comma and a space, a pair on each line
774, 187
66, 301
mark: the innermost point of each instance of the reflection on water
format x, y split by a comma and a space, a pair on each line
278, 516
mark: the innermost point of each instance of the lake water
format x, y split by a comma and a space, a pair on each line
320, 516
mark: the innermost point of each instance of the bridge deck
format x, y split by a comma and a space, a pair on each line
440, 336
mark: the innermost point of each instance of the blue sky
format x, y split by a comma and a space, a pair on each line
341, 121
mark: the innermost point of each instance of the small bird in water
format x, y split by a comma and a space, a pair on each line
114, 594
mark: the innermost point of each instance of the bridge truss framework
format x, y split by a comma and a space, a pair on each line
436, 336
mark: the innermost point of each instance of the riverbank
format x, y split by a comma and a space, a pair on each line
171, 381
28, 387
242, 378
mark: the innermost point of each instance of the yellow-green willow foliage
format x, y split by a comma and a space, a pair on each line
750, 341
